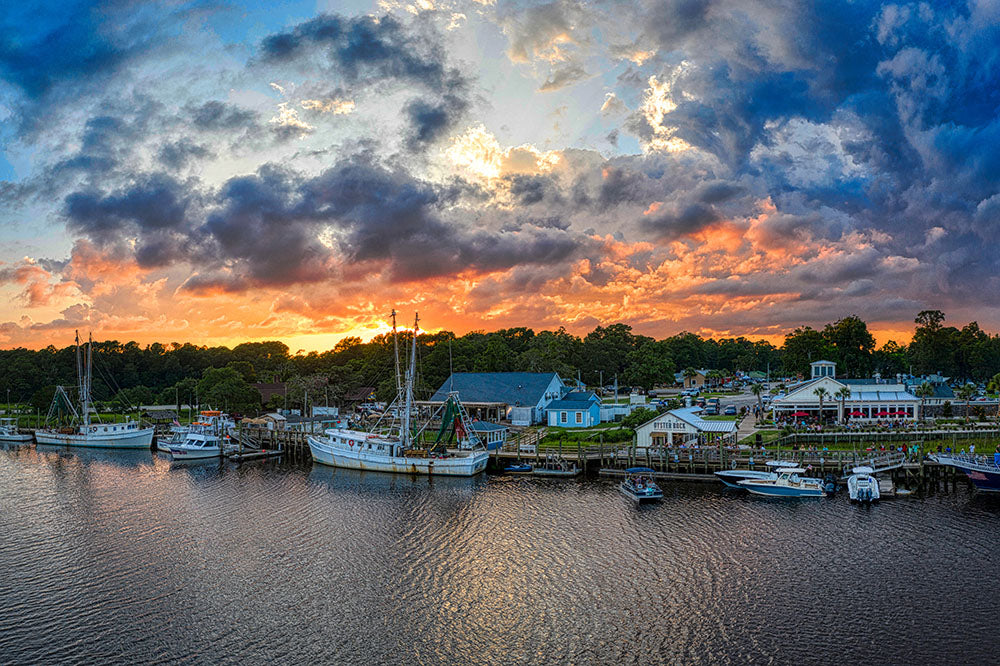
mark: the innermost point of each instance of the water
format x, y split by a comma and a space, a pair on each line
122, 557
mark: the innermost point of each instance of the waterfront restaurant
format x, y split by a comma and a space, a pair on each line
868, 399
685, 427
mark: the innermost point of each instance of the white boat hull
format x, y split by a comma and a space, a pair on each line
15, 439
130, 439
178, 453
461, 465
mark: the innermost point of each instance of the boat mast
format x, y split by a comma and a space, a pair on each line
395, 353
87, 380
405, 435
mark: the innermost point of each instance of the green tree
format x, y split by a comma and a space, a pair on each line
803, 346
966, 393
649, 364
758, 390
851, 345
924, 391
638, 417
820, 393
225, 388
842, 394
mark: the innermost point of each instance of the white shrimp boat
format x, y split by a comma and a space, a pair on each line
126, 435
199, 443
399, 452
862, 486
9, 433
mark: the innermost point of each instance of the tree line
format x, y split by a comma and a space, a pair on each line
129, 374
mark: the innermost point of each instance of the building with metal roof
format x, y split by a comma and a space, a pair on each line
684, 426
866, 399
575, 410
521, 397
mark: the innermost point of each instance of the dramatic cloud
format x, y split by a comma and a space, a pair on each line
719, 166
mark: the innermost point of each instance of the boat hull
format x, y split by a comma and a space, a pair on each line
133, 439
182, 454
15, 439
469, 465
769, 490
732, 477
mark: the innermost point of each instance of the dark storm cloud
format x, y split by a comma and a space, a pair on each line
178, 154
219, 116
362, 47
429, 121
276, 227
681, 222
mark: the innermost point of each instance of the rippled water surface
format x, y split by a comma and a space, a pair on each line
118, 556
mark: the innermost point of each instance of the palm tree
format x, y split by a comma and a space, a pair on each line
965, 393
689, 374
924, 391
757, 389
821, 393
842, 394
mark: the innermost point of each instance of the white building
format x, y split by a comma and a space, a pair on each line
864, 400
683, 426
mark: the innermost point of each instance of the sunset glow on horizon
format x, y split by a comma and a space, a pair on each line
178, 173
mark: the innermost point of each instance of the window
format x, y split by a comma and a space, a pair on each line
562, 417
579, 417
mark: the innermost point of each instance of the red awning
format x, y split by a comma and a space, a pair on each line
856, 413
801, 414
884, 414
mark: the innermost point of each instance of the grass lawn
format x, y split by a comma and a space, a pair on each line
718, 394
720, 417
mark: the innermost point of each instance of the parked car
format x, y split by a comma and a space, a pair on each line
712, 411
730, 410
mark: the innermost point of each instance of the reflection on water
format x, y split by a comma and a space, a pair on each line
123, 556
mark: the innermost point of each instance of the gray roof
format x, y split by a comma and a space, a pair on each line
486, 426
518, 389
878, 396
579, 405
690, 416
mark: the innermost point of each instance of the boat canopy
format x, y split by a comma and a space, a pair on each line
792, 470
780, 463
639, 470
864, 469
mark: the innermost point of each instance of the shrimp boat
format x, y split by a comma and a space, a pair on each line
127, 435
983, 472
732, 477
788, 483
199, 443
9, 433
399, 451
862, 486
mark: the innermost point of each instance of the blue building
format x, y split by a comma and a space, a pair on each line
520, 397
575, 410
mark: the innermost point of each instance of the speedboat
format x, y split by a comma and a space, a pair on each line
732, 477
862, 486
639, 485
788, 483
518, 468
983, 472
9, 433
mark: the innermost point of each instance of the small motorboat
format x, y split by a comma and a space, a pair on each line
862, 486
518, 468
788, 483
9, 433
639, 485
732, 477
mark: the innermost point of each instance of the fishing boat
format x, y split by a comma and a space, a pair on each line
176, 436
789, 482
983, 472
639, 485
199, 443
399, 450
9, 433
127, 435
732, 477
862, 486
518, 468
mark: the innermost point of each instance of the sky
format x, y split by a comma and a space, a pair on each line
216, 172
